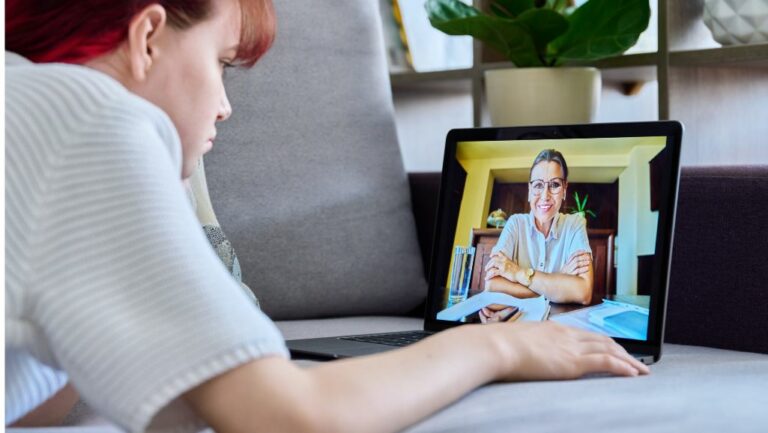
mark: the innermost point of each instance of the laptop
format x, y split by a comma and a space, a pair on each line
622, 180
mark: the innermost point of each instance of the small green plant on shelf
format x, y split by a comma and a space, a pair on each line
533, 33
581, 206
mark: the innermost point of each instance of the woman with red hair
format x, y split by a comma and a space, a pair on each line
111, 285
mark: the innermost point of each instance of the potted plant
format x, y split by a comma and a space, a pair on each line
581, 206
540, 37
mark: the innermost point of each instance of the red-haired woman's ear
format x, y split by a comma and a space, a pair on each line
144, 32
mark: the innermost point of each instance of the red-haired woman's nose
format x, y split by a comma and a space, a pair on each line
225, 110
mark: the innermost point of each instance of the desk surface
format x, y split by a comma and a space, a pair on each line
639, 300
608, 319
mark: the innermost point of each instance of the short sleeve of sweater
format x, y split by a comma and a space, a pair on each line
123, 286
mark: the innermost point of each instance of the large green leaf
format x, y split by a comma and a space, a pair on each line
456, 18
505, 35
540, 32
544, 25
519, 43
601, 28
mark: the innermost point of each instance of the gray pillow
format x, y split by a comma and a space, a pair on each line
306, 176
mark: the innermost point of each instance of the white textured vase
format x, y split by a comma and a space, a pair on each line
542, 96
737, 22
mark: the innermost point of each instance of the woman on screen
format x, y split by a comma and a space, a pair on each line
543, 252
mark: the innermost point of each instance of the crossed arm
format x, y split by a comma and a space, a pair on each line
572, 285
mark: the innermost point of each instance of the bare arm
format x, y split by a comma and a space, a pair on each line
390, 391
501, 284
53, 411
558, 287
563, 288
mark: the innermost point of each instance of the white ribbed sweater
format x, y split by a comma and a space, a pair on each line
110, 281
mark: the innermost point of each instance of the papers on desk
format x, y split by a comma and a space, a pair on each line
533, 309
616, 319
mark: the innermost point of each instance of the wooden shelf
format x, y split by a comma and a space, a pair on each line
628, 61
406, 78
742, 55
634, 67
718, 92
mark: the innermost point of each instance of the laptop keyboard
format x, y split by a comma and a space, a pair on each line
397, 339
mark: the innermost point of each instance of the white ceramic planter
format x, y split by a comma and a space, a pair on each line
736, 22
542, 96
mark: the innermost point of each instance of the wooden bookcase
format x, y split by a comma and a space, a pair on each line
719, 93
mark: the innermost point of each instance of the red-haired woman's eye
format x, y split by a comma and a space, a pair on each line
225, 64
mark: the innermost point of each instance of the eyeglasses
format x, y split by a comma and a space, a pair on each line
555, 186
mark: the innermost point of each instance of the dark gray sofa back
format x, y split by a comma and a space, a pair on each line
307, 178
718, 295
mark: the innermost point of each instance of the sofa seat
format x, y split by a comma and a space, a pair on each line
692, 389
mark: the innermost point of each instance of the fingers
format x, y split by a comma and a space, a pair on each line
494, 262
576, 253
483, 314
605, 363
498, 316
596, 344
581, 270
582, 257
493, 273
571, 270
582, 260
497, 259
578, 263
500, 255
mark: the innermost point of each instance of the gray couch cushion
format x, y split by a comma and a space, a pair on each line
306, 177
692, 389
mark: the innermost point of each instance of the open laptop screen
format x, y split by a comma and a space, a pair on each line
563, 228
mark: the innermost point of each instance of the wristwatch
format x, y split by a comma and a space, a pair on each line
528, 276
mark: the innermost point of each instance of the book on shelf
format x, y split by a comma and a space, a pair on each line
395, 39
418, 46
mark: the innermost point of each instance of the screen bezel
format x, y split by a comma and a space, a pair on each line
444, 231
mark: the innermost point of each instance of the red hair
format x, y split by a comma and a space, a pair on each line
69, 31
